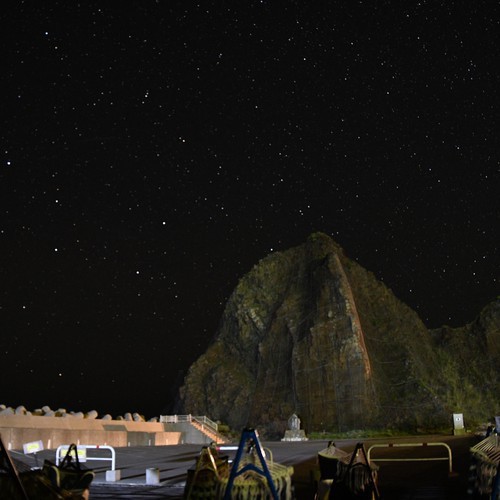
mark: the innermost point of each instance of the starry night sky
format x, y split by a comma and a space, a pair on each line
154, 151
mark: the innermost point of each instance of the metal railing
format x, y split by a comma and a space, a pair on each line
488, 449
83, 455
409, 459
202, 420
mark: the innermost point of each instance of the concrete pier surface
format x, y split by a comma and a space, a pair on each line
168, 466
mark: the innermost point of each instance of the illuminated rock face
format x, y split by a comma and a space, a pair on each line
472, 355
309, 331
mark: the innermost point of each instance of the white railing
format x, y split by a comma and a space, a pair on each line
83, 455
206, 422
202, 420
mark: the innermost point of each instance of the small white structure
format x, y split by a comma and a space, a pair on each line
113, 475
153, 476
458, 424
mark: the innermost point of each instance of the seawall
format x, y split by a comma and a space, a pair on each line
17, 430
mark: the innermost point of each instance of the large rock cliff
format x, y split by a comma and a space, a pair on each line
311, 332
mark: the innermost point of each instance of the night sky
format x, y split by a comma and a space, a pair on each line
154, 151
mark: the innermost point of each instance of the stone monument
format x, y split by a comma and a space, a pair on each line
294, 432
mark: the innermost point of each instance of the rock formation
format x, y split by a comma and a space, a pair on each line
470, 364
311, 332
